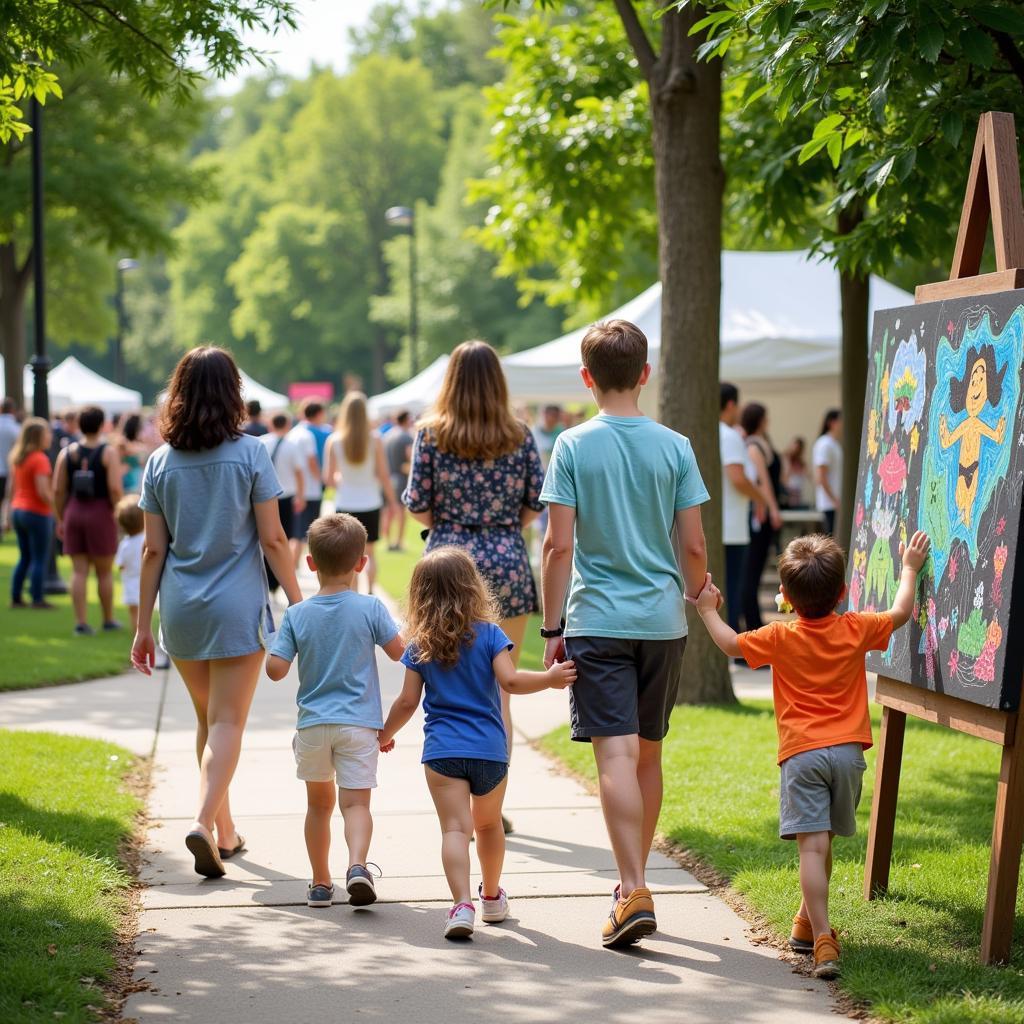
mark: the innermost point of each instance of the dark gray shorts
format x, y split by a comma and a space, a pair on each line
820, 790
482, 776
623, 687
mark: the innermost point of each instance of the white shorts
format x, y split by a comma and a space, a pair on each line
346, 752
130, 591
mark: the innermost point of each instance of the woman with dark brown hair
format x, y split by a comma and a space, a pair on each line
210, 499
475, 482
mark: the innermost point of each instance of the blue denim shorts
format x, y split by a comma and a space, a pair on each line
482, 776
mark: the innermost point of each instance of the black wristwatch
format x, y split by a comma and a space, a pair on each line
551, 634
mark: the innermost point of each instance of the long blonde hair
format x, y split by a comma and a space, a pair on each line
352, 428
472, 418
30, 440
447, 597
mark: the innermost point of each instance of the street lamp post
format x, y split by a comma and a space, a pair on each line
40, 361
123, 266
405, 217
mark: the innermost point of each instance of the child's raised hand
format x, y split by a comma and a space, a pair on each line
709, 599
915, 553
562, 674
386, 748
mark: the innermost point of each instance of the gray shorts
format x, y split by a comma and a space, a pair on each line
623, 687
820, 790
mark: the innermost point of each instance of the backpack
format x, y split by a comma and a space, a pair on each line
83, 479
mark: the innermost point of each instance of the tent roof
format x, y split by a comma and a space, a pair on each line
415, 394
253, 390
780, 320
85, 386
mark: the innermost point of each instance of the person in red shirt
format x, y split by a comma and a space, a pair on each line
31, 510
820, 692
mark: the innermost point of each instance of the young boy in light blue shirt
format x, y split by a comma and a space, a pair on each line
335, 634
624, 496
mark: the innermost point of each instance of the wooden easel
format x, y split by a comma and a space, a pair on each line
993, 191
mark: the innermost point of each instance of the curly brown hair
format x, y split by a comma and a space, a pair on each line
204, 406
447, 597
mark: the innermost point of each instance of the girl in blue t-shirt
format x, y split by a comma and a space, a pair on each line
456, 659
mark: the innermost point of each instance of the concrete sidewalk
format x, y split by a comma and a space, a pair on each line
246, 948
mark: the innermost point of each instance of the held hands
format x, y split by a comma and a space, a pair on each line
388, 746
709, 599
561, 674
554, 651
144, 652
915, 554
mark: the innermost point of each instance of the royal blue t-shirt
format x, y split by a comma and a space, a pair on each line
462, 704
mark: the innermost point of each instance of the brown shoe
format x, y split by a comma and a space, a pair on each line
630, 920
826, 956
801, 938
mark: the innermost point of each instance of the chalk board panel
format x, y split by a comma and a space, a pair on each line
943, 451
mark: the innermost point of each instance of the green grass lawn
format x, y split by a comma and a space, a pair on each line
63, 814
913, 955
40, 647
394, 569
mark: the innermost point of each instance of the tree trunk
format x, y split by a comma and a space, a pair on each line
686, 99
13, 286
854, 293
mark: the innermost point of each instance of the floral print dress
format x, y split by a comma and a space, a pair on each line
476, 505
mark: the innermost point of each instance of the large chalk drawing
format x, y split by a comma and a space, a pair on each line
943, 451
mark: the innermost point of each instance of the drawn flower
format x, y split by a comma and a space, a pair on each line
954, 662
885, 387
999, 559
943, 626
979, 595
907, 385
873, 434
883, 520
860, 511
1001, 527
915, 439
954, 618
862, 536
892, 471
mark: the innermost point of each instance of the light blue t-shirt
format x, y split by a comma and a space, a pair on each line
335, 636
626, 477
462, 704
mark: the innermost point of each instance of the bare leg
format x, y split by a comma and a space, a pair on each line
828, 874
355, 809
397, 526
105, 585
452, 801
232, 684
490, 836
622, 802
196, 675
79, 579
319, 808
649, 776
815, 848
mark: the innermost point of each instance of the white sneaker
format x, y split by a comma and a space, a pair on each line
493, 911
460, 922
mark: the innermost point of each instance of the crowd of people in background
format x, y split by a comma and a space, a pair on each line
759, 485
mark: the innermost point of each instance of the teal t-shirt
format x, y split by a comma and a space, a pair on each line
626, 477
335, 637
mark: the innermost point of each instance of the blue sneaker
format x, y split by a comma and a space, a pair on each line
359, 886
319, 895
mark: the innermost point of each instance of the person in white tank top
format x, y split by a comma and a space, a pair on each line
355, 466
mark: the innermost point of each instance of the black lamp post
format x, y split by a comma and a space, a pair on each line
123, 267
40, 361
405, 217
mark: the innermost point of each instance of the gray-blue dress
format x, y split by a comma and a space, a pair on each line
214, 601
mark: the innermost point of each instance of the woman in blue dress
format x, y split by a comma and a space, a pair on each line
475, 481
210, 499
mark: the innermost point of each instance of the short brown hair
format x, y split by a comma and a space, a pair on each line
130, 517
615, 353
813, 574
336, 543
204, 405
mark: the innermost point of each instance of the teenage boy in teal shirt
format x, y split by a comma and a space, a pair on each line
620, 490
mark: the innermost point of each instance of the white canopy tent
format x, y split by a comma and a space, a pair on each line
254, 391
780, 339
72, 383
57, 401
416, 394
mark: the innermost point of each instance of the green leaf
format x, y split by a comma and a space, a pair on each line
881, 176
19, 87
827, 125
978, 47
1002, 19
952, 125
905, 164
929, 41
756, 95
835, 149
810, 149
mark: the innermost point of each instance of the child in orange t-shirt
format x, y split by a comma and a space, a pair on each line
821, 710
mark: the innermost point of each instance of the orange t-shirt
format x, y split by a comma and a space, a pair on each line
25, 496
819, 684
